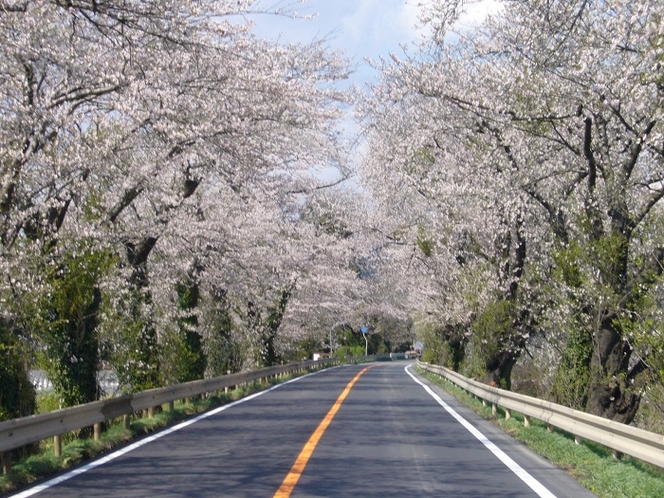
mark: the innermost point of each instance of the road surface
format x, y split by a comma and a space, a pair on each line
342, 432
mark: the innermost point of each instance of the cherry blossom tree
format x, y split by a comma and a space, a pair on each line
463, 227
120, 122
597, 117
547, 118
323, 261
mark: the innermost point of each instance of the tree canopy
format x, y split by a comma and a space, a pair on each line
163, 211
530, 152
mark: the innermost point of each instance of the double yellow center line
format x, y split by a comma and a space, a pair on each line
298, 467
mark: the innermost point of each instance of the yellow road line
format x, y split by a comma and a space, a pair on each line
298, 467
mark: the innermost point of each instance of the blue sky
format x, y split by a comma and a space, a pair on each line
362, 29
359, 28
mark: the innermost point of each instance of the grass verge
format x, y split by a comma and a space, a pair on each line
78, 449
592, 465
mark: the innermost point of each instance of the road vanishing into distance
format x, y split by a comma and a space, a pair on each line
352, 431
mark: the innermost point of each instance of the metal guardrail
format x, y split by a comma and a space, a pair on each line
638, 443
26, 430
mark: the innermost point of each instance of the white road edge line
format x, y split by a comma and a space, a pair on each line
533, 483
112, 456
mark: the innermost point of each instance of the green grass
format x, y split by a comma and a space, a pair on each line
592, 465
77, 449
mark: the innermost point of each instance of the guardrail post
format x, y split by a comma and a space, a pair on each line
57, 445
6, 462
526, 421
494, 409
171, 406
549, 428
97, 431
508, 414
126, 421
151, 412
578, 439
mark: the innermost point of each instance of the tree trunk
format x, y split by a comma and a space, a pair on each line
610, 394
499, 372
17, 394
137, 357
571, 380
191, 361
454, 347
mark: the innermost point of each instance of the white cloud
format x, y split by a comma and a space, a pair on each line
477, 12
377, 27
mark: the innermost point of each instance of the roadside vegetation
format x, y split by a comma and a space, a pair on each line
592, 465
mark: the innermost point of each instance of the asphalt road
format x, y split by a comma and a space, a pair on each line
389, 438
